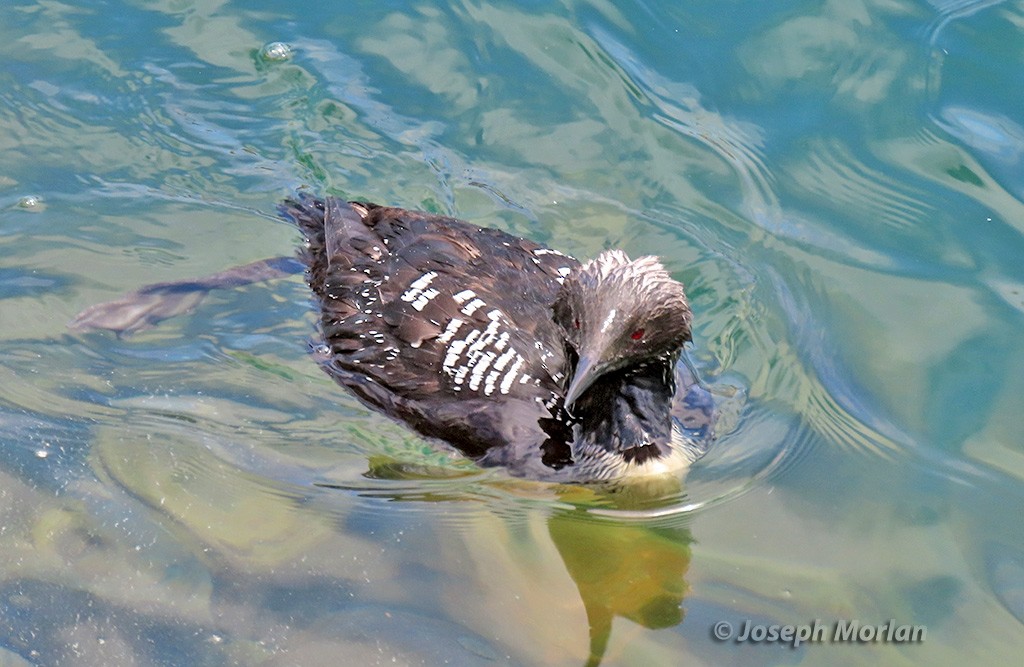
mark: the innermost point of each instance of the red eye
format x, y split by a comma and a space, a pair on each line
576, 323
637, 335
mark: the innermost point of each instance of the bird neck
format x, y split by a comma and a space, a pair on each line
629, 411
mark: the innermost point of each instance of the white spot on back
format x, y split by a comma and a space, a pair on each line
479, 368
417, 288
423, 299
506, 382
464, 296
504, 359
472, 306
489, 382
547, 251
450, 331
483, 360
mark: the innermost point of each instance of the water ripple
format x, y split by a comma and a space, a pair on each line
954, 10
993, 134
948, 12
824, 393
833, 173
678, 107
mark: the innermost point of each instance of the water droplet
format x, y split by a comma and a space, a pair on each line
276, 51
31, 203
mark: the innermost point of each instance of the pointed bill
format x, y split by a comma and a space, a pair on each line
587, 370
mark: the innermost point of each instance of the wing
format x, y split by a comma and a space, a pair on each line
429, 307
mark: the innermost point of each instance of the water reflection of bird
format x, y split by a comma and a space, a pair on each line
516, 354
633, 571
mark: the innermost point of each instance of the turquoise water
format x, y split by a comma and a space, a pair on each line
839, 184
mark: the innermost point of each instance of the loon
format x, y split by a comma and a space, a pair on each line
514, 353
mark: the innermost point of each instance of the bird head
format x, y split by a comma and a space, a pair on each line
615, 313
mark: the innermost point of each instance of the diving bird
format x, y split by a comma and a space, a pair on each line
512, 352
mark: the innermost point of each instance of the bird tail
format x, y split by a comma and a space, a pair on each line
333, 228
307, 213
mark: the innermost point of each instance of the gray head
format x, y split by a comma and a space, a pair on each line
616, 312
